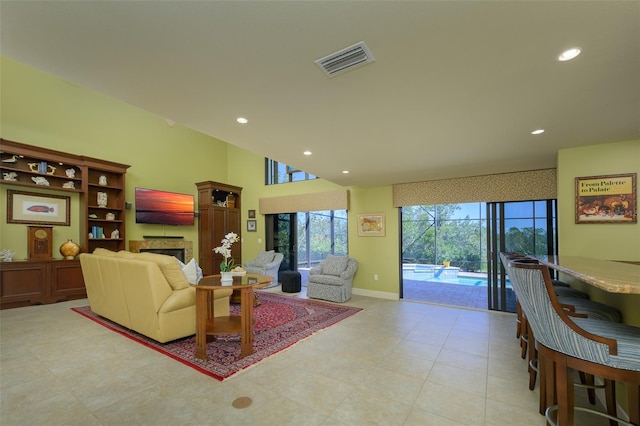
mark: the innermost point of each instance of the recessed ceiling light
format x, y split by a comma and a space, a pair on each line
346, 172
307, 153
537, 132
569, 54
242, 120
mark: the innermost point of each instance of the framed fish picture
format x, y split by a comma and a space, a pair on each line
31, 207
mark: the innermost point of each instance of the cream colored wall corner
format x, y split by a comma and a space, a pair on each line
601, 240
42, 110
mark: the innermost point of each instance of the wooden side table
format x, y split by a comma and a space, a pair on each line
207, 325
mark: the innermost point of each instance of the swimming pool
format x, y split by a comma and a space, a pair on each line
460, 279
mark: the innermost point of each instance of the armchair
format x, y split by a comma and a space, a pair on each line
267, 263
331, 280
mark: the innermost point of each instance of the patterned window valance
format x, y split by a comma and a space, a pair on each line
518, 186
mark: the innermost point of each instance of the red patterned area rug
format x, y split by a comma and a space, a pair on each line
280, 322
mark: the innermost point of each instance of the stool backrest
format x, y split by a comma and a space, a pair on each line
550, 323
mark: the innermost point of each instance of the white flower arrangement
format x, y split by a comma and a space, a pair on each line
225, 250
6, 255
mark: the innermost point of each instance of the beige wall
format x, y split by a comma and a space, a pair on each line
598, 241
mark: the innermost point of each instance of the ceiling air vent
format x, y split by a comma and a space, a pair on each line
347, 59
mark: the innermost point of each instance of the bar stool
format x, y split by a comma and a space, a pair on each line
577, 307
599, 348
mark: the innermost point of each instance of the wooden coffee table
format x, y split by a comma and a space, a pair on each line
208, 326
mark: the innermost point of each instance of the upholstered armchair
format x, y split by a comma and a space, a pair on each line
331, 280
267, 263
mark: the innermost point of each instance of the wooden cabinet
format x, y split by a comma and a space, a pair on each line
34, 282
39, 281
46, 169
219, 210
104, 205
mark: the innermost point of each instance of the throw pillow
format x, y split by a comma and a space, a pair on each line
264, 258
334, 265
192, 271
170, 267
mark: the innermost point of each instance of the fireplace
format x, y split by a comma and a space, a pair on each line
175, 252
183, 250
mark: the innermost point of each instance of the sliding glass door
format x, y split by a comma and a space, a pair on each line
526, 227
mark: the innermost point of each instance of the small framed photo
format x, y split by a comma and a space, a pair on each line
371, 225
607, 199
33, 208
252, 214
252, 226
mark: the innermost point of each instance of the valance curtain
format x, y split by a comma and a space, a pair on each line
317, 201
518, 186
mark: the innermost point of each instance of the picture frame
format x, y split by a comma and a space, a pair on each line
606, 199
35, 208
371, 225
252, 226
251, 214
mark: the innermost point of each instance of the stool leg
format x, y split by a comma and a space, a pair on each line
524, 338
518, 320
633, 395
564, 389
533, 358
588, 379
610, 399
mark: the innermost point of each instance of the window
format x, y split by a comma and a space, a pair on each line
321, 233
276, 173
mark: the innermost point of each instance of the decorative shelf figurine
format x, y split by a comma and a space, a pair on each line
39, 180
102, 180
102, 199
10, 176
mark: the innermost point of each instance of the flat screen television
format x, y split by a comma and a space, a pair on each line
164, 208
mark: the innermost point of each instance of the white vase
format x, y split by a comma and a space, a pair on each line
226, 278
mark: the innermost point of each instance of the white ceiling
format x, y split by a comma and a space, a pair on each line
455, 90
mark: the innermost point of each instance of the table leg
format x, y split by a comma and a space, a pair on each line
246, 321
202, 311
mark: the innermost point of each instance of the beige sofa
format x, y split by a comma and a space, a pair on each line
145, 292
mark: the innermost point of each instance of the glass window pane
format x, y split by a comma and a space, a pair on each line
518, 209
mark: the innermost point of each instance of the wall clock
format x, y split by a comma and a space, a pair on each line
40, 242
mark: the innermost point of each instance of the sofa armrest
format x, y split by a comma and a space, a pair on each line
316, 270
352, 266
179, 299
251, 264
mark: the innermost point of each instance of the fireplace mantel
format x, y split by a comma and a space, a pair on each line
159, 243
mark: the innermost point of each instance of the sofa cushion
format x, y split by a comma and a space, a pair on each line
334, 265
192, 271
264, 258
104, 252
124, 254
170, 267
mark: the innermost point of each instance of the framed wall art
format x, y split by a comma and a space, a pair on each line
252, 214
252, 226
34, 208
371, 225
607, 199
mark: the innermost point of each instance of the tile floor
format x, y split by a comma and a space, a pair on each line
395, 363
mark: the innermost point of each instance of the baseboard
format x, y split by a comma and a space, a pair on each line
376, 294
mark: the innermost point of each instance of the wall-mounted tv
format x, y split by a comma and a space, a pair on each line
164, 208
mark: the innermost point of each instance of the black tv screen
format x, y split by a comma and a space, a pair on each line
164, 208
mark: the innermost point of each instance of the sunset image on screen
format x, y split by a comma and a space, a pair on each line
166, 208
